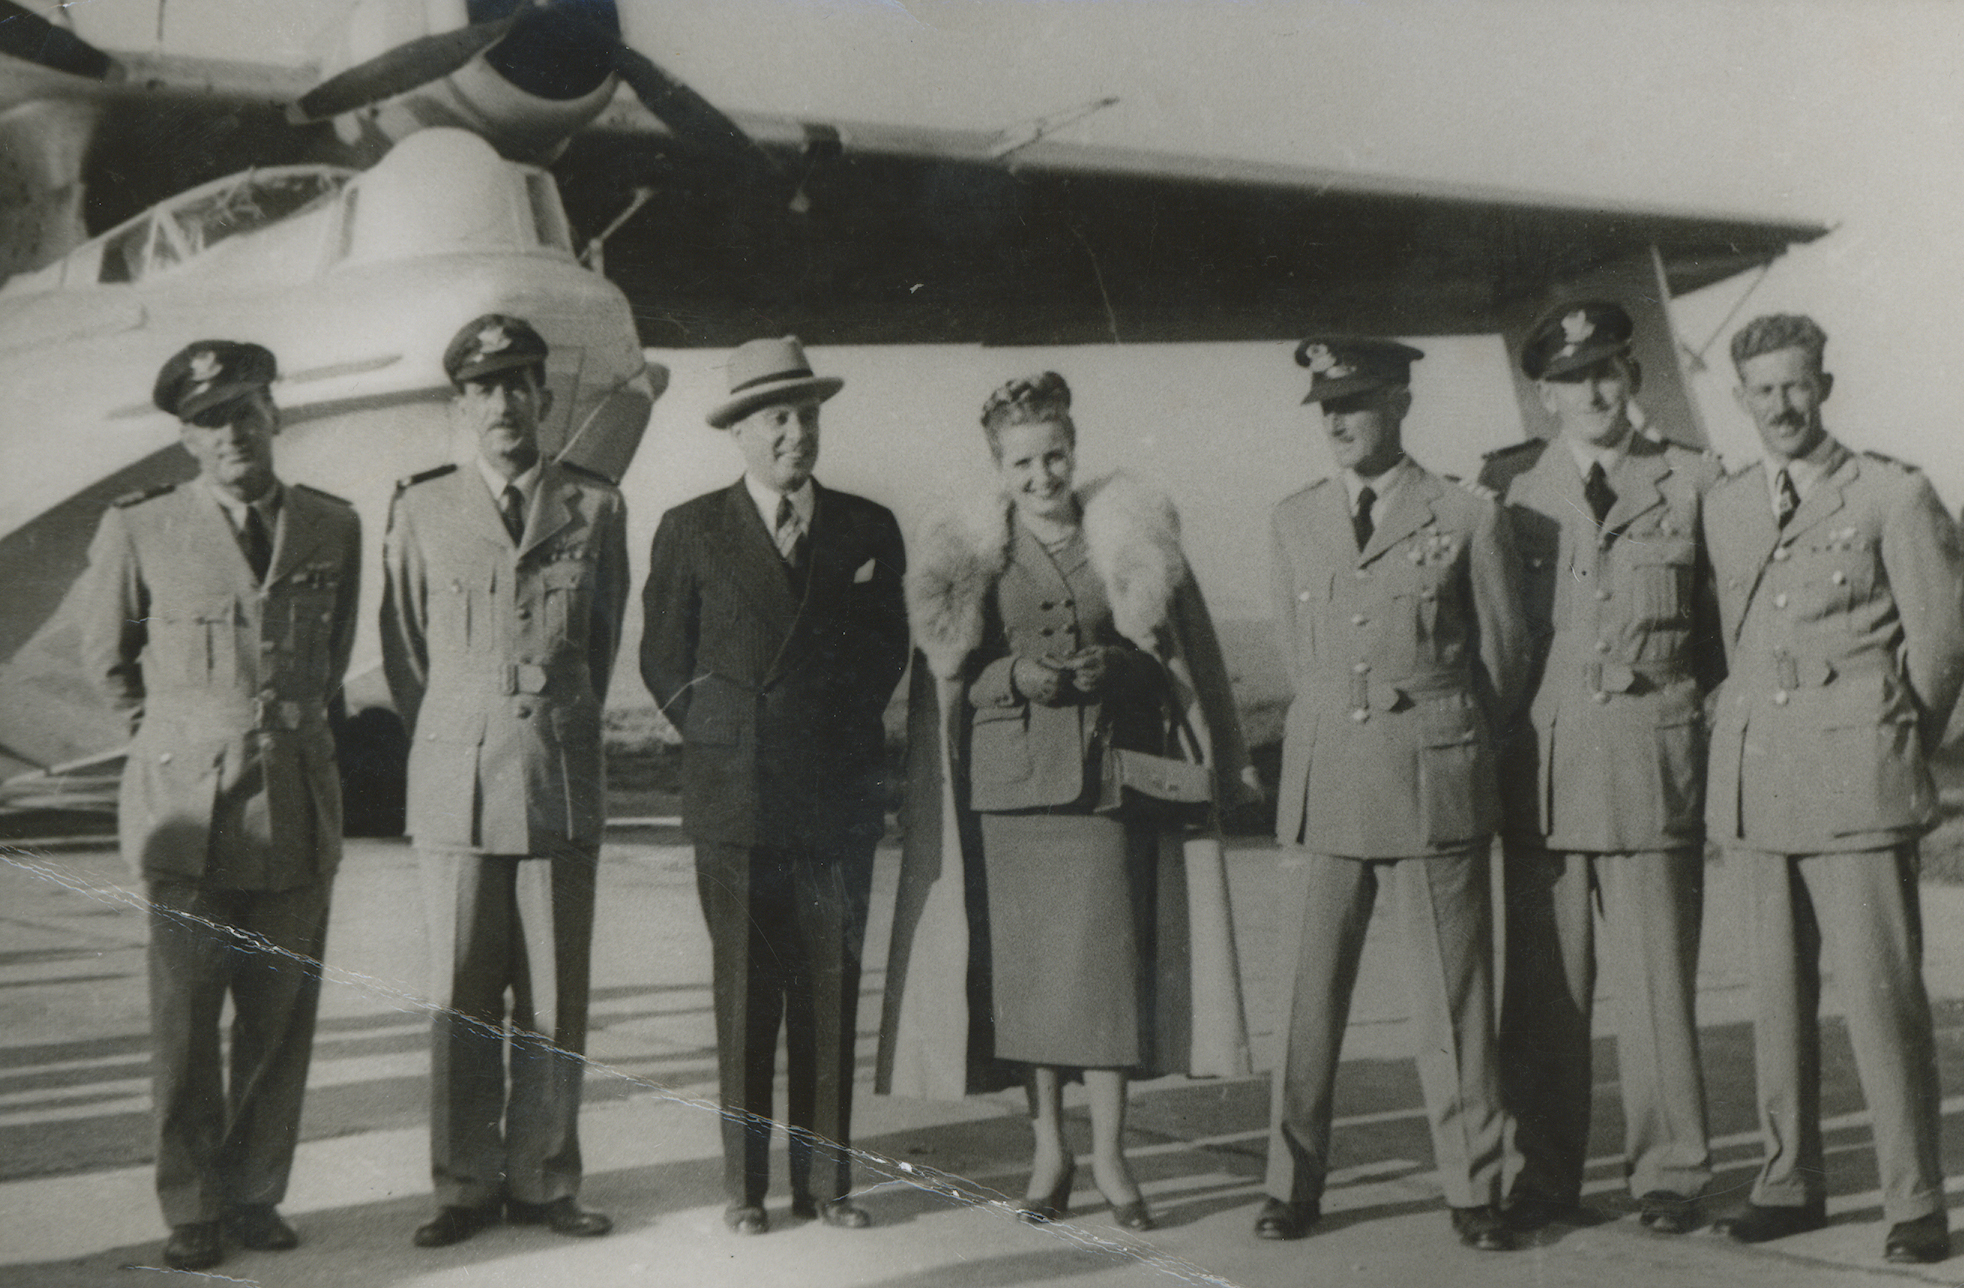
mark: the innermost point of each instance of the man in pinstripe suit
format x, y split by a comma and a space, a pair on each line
774, 635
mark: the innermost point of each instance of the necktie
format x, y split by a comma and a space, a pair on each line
1361, 523
1595, 490
258, 545
513, 508
1783, 486
790, 533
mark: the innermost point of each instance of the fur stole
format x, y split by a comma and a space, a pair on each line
1131, 531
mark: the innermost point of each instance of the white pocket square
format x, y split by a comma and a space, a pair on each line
865, 572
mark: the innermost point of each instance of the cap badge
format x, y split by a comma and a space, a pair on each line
493, 339
1324, 363
1576, 327
205, 368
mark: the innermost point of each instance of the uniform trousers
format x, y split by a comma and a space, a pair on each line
1864, 907
1443, 912
1652, 910
785, 930
510, 937
226, 1135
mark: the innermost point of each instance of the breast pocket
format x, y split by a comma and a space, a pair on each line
194, 646
568, 596
1661, 573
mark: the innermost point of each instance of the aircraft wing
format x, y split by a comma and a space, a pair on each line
937, 236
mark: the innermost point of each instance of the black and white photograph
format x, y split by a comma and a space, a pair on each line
977, 643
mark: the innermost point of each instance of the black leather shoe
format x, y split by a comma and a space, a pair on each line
453, 1225
746, 1218
843, 1214
1483, 1228
194, 1246
1663, 1212
1526, 1213
1037, 1209
1135, 1216
563, 1215
260, 1226
1281, 1219
1756, 1224
1919, 1242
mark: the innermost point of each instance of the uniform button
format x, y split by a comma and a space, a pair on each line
1361, 573
1780, 600
1048, 631
164, 759
1302, 597
1600, 696
1783, 554
1361, 668
1602, 595
269, 695
1360, 714
267, 646
1602, 646
1358, 619
1780, 698
1047, 605
1838, 577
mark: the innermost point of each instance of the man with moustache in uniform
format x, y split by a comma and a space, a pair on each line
1603, 783
775, 633
1402, 626
1841, 588
219, 614
501, 614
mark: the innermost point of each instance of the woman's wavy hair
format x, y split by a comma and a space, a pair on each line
1042, 399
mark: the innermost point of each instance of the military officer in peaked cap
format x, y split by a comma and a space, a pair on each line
219, 614
1603, 783
1841, 591
501, 615
775, 634
1395, 594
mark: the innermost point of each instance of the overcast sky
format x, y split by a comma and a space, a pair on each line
1850, 114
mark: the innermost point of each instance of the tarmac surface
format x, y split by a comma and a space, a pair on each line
77, 1207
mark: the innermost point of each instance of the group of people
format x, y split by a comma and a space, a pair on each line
1608, 652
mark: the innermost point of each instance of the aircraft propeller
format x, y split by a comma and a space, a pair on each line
555, 49
28, 36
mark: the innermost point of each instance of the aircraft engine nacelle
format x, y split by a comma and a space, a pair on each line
549, 73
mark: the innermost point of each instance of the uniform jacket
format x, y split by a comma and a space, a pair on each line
1844, 635
498, 656
935, 1038
231, 774
1611, 757
777, 687
1405, 657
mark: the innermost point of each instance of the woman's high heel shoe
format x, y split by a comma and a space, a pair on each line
1037, 1209
1133, 1216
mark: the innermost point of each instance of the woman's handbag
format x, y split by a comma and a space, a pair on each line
1179, 789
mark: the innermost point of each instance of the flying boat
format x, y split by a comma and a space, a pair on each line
453, 157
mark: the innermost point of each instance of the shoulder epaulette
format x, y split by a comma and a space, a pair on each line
1474, 486
325, 496
436, 473
1890, 460
591, 475
1515, 449
138, 497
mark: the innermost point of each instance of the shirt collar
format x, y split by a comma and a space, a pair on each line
526, 483
235, 509
766, 498
1805, 471
1383, 485
1587, 454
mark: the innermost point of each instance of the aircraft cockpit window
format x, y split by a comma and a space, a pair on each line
122, 255
253, 202
548, 216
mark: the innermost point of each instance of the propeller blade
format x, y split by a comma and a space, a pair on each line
28, 36
396, 71
688, 113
